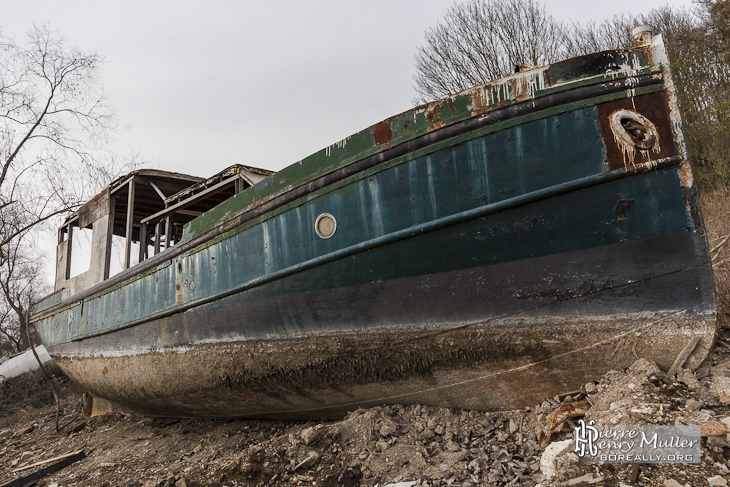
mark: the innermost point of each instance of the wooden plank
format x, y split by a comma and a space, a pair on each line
683, 356
70, 233
43, 462
31, 479
143, 242
168, 230
158, 234
191, 200
109, 238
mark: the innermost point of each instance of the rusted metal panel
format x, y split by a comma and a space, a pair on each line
554, 423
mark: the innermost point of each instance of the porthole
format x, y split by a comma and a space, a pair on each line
325, 225
633, 132
634, 129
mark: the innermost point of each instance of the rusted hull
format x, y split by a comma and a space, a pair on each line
496, 367
501, 342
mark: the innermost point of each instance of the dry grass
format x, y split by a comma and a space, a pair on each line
716, 210
20, 392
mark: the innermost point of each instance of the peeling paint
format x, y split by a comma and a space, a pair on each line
685, 174
517, 87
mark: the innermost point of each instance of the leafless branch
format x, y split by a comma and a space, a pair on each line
54, 122
482, 40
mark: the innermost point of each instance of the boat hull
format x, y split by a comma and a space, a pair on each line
424, 348
491, 249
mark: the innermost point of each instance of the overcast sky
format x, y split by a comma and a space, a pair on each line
200, 86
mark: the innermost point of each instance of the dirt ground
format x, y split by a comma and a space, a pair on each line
390, 445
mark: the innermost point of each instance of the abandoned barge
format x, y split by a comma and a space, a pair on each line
507, 243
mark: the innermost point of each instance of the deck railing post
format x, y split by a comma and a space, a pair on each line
168, 230
130, 220
143, 242
109, 239
70, 232
158, 232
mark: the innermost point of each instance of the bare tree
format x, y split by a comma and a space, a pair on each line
21, 286
10, 332
700, 65
482, 40
720, 23
54, 129
591, 36
53, 117
54, 121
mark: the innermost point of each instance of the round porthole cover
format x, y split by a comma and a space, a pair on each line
325, 225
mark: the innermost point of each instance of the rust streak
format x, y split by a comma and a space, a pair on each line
452, 107
434, 117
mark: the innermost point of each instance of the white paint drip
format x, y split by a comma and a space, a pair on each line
337, 145
518, 85
341, 144
377, 218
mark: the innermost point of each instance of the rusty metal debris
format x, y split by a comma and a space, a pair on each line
554, 423
23, 431
707, 428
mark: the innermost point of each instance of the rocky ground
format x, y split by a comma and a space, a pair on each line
393, 445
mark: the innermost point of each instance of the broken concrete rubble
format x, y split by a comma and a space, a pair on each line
644, 395
717, 481
430, 446
547, 462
